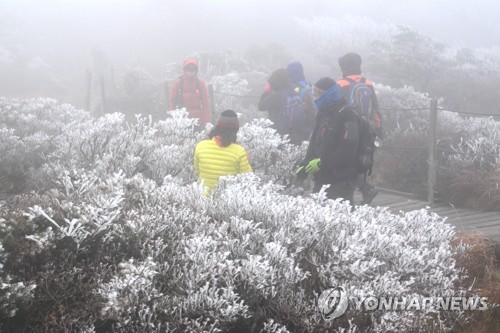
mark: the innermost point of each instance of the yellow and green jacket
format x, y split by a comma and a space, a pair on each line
212, 161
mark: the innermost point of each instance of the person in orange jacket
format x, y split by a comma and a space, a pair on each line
190, 92
360, 94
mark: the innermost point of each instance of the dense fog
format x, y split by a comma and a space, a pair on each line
59, 38
137, 199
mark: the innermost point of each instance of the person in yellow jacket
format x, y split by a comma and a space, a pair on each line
220, 155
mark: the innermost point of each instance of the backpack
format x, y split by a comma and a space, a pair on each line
360, 97
179, 100
367, 138
366, 146
299, 118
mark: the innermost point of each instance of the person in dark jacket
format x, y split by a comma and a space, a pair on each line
332, 153
301, 126
350, 64
274, 99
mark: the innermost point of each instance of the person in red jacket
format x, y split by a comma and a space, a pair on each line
189, 92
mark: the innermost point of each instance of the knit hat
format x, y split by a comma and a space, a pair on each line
296, 71
325, 83
350, 64
279, 79
228, 119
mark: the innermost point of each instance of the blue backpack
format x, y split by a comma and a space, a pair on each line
299, 118
360, 97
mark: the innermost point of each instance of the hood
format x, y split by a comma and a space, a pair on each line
190, 61
296, 71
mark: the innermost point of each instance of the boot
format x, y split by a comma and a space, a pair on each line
369, 192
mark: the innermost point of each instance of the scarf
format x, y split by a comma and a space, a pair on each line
329, 99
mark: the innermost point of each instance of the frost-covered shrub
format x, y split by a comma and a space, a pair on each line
232, 91
165, 258
119, 210
131, 296
465, 144
401, 162
109, 144
46, 115
469, 159
137, 91
12, 149
329, 38
272, 156
403, 115
29, 129
228, 89
12, 294
471, 143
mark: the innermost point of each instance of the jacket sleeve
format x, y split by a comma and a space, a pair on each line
269, 101
377, 116
346, 149
243, 164
206, 112
311, 154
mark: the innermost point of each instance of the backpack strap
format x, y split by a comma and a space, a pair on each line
198, 87
179, 100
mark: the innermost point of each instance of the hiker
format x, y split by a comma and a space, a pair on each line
274, 99
301, 109
190, 92
332, 153
220, 155
360, 94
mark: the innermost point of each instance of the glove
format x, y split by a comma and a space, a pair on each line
313, 166
268, 88
301, 173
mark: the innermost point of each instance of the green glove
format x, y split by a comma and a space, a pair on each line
313, 166
299, 170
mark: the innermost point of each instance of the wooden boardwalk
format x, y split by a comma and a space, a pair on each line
486, 223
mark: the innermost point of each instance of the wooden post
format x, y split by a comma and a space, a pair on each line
103, 96
431, 172
89, 89
212, 100
112, 78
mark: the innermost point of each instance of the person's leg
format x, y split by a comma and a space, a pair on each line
368, 191
344, 190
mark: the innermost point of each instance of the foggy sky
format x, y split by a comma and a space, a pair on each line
133, 28
151, 33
